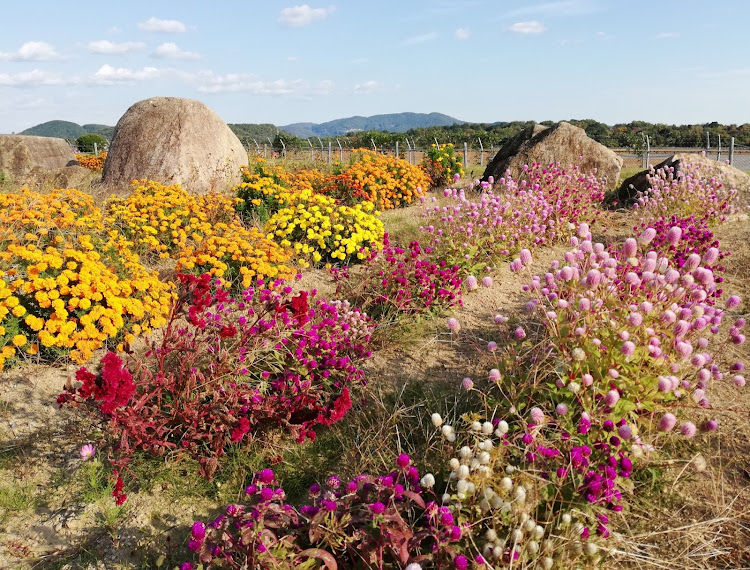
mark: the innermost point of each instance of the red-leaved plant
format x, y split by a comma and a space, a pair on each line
225, 369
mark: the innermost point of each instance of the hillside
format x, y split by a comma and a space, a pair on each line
246, 132
394, 122
56, 129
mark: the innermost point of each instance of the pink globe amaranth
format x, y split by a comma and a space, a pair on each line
628, 348
673, 235
664, 384
454, 325
667, 422
536, 415
495, 375
403, 461
647, 236
492, 346
561, 409
487, 281
611, 398
710, 425
467, 383
519, 333
583, 230
525, 257
471, 283
630, 247
625, 431
588, 380
738, 380
688, 429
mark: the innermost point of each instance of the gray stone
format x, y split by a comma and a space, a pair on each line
562, 143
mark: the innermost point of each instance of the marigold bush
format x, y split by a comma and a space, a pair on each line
92, 162
324, 232
202, 233
263, 191
68, 287
386, 181
442, 164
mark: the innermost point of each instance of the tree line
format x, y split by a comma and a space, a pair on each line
623, 135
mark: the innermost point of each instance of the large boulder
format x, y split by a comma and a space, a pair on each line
25, 158
172, 140
561, 143
627, 194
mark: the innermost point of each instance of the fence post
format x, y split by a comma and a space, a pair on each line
397, 156
731, 151
648, 152
466, 156
329, 152
708, 141
437, 144
718, 151
96, 150
481, 152
265, 150
341, 151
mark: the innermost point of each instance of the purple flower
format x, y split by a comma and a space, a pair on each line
403, 461
525, 256
487, 281
611, 398
377, 508
198, 531
187, 566
461, 562
519, 333
467, 383
471, 283
265, 476
561, 409
667, 422
733, 301
688, 429
454, 325
630, 247
628, 348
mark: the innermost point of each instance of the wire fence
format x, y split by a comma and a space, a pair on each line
478, 158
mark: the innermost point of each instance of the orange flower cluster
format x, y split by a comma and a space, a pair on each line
386, 181
68, 287
91, 161
203, 233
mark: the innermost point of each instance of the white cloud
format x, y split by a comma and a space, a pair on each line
111, 48
366, 88
34, 78
168, 26
414, 40
462, 34
667, 35
291, 58
532, 27
171, 50
32, 51
108, 75
209, 82
304, 15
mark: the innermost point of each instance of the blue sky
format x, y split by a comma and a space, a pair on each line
281, 62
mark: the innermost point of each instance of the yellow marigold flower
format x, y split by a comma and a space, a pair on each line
19, 340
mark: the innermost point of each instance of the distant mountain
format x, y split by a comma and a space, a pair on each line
68, 130
394, 122
56, 129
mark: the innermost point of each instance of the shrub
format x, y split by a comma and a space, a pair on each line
202, 233
67, 286
85, 143
442, 164
397, 282
227, 369
386, 181
323, 232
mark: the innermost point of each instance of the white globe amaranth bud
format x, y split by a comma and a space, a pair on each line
506, 484
463, 472
437, 420
590, 548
